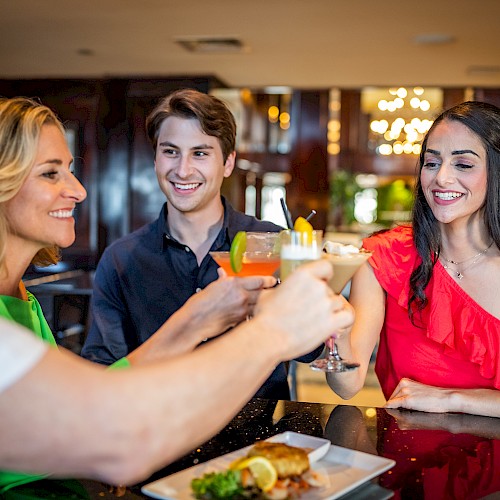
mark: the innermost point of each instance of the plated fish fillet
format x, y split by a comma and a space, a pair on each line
287, 460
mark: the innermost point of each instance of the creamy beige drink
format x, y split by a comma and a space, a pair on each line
346, 260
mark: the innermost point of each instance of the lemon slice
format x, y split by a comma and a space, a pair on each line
235, 464
238, 247
262, 470
302, 225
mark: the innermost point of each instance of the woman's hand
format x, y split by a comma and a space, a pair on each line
227, 302
417, 396
221, 305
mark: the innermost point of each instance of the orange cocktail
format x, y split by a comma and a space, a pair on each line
254, 263
260, 258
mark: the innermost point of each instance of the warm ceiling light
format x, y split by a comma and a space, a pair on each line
273, 113
399, 102
385, 149
334, 125
415, 102
402, 92
425, 105
382, 105
285, 117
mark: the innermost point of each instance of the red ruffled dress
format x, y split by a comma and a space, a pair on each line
459, 343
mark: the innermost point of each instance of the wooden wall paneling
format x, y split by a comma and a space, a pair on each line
309, 186
491, 96
114, 168
452, 97
76, 103
146, 197
234, 188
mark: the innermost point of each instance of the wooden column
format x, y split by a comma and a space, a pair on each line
309, 187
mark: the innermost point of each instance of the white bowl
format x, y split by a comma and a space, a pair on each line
318, 446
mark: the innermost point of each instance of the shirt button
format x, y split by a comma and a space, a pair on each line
198, 290
187, 249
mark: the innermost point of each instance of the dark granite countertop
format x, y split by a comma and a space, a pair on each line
437, 455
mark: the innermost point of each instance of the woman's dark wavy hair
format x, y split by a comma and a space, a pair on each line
484, 120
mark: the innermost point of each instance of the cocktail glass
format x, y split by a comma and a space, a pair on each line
298, 248
261, 258
344, 267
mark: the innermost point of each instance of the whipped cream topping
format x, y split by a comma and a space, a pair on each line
335, 248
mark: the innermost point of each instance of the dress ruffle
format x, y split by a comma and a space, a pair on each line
453, 319
462, 325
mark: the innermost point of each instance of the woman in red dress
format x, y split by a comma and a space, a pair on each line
429, 294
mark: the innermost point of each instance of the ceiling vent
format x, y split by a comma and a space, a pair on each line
433, 39
212, 45
483, 70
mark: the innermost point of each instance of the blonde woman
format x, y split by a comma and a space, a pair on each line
38, 196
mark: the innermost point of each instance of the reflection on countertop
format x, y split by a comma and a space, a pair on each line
438, 456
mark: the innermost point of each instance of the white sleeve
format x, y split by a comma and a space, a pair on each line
20, 350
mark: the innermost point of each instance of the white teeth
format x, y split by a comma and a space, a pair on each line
447, 196
61, 214
186, 186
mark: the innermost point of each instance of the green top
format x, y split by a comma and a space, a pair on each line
29, 314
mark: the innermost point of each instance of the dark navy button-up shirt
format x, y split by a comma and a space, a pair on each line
144, 277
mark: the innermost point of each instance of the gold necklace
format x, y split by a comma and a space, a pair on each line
460, 273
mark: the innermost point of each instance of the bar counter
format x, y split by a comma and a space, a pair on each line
438, 456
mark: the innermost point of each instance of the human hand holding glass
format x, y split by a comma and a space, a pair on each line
252, 254
344, 267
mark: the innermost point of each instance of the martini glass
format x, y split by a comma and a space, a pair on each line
261, 258
344, 267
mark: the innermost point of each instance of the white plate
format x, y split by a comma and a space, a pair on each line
318, 446
343, 469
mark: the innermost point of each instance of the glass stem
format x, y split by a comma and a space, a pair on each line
334, 353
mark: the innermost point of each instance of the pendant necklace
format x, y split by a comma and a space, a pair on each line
460, 273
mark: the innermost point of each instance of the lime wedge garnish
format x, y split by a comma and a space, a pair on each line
238, 248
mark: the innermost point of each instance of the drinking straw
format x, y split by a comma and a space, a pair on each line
311, 215
288, 217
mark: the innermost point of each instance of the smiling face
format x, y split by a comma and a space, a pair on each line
454, 173
40, 215
189, 165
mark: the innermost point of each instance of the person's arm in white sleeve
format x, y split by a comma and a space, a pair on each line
120, 426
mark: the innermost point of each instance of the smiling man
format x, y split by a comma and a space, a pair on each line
143, 278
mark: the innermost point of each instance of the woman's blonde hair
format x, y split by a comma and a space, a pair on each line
21, 121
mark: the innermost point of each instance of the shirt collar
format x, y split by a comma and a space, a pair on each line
226, 234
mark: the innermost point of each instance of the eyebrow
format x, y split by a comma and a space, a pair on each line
200, 146
457, 152
50, 161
